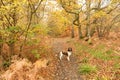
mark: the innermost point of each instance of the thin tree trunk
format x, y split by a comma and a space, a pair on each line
86, 31
79, 28
12, 48
88, 20
80, 32
72, 32
1, 45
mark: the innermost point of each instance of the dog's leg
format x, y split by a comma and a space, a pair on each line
61, 54
68, 58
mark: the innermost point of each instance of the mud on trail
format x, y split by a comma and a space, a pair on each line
65, 70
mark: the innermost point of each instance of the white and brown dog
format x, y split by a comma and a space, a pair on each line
67, 54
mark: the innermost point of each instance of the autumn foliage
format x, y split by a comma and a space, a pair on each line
32, 32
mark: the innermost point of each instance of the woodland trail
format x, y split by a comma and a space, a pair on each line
65, 70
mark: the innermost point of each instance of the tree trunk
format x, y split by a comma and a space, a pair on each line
11, 48
86, 33
80, 32
92, 31
88, 20
79, 28
1, 45
72, 32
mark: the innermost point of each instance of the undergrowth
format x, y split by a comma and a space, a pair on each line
87, 69
97, 60
99, 52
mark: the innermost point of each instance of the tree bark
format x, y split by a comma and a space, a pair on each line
79, 28
88, 20
80, 32
1, 45
11, 48
72, 32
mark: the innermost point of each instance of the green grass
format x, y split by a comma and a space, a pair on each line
116, 66
85, 60
99, 51
87, 69
101, 54
80, 47
35, 53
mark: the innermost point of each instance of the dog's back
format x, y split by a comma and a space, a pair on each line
65, 53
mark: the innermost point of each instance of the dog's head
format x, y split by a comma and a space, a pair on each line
70, 49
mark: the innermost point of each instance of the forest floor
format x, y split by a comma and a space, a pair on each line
96, 61
65, 70
49, 67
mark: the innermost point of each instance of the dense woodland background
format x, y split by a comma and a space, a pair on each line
30, 30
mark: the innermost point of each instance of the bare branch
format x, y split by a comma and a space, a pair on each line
113, 9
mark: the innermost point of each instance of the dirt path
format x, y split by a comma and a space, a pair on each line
65, 70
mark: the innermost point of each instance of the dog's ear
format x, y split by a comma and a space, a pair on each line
69, 49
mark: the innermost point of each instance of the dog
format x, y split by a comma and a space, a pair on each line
67, 54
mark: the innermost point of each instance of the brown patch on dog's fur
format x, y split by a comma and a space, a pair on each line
65, 53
